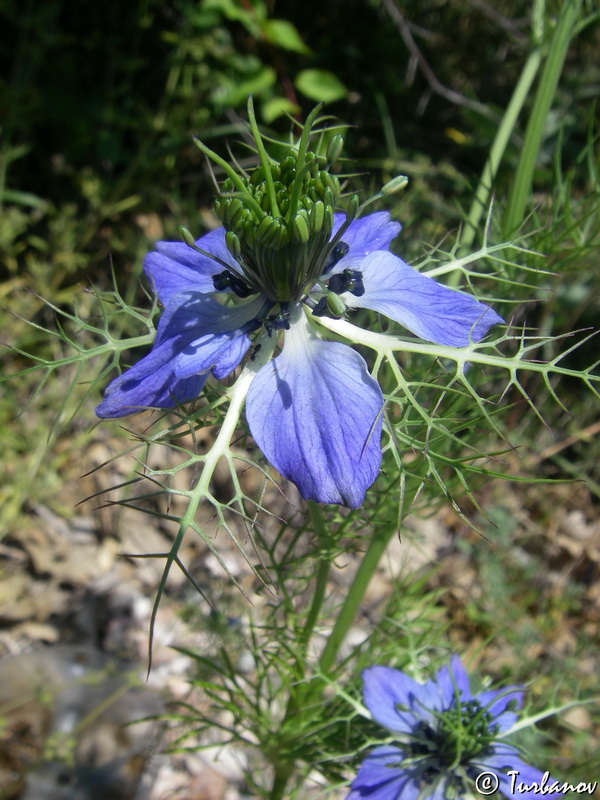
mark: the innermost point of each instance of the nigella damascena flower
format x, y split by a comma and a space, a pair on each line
282, 258
447, 743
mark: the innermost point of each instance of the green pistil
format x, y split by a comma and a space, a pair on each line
297, 185
279, 219
459, 734
264, 158
236, 179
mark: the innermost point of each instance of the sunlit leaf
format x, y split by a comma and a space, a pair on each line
320, 85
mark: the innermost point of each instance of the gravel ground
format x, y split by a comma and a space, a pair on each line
74, 622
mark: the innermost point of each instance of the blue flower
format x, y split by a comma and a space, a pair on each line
445, 738
282, 259
314, 410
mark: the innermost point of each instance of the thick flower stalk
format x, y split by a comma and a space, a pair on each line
283, 258
447, 743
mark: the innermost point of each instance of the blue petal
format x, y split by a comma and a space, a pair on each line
223, 339
315, 412
364, 236
429, 700
155, 381
174, 267
151, 383
218, 352
496, 702
451, 680
395, 700
379, 779
427, 308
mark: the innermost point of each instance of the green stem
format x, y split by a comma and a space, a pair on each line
482, 197
323, 571
521, 187
347, 614
237, 398
284, 768
304, 695
283, 772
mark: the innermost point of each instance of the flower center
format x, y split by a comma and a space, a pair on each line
279, 226
456, 736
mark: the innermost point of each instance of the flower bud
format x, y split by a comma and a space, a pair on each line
329, 219
395, 185
334, 148
187, 236
257, 175
233, 245
328, 197
335, 304
247, 233
352, 210
232, 212
279, 234
264, 229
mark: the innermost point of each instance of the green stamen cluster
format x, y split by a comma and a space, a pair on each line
258, 222
461, 732
464, 731
279, 218
279, 226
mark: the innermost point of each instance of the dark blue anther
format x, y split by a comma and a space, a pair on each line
329, 306
338, 252
350, 280
227, 280
321, 308
358, 289
279, 321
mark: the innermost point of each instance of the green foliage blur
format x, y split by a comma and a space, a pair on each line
98, 103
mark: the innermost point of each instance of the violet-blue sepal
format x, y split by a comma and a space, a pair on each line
427, 308
175, 267
315, 412
443, 738
363, 236
507, 759
383, 777
196, 335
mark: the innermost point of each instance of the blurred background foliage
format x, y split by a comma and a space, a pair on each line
98, 102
